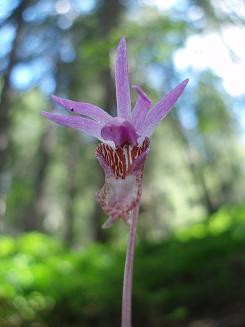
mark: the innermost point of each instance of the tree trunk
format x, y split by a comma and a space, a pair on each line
34, 213
194, 169
109, 15
72, 188
5, 100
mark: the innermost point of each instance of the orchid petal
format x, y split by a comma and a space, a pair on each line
139, 162
120, 131
103, 163
162, 108
86, 125
83, 108
122, 81
141, 108
108, 223
118, 196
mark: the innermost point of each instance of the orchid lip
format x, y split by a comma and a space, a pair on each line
123, 169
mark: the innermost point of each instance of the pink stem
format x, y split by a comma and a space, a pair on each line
128, 272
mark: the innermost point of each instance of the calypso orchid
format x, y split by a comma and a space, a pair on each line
125, 138
122, 152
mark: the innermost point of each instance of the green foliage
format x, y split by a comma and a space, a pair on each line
189, 275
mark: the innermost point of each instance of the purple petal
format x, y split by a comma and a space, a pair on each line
140, 160
84, 124
162, 108
119, 196
83, 108
120, 131
102, 161
122, 81
140, 110
109, 222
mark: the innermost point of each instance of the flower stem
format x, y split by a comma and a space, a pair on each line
128, 271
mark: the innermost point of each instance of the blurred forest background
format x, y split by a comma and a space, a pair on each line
57, 266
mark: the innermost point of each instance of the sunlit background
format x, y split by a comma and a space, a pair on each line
57, 266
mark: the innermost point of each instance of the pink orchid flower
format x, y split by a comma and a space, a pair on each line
125, 138
122, 152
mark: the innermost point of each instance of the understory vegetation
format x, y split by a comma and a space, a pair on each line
197, 272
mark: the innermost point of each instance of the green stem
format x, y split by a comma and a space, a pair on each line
128, 271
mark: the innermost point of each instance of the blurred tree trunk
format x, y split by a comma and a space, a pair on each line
194, 168
109, 15
34, 212
192, 164
5, 97
72, 187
